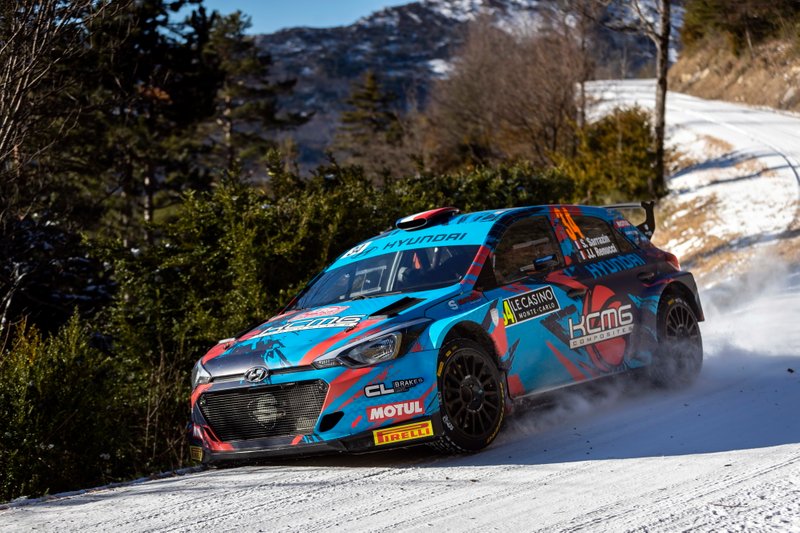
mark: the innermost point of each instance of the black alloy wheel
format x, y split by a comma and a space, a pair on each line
471, 396
679, 356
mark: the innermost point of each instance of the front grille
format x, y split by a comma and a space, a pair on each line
259, 412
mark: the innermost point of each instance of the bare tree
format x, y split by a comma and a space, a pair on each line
585, 14
653, 19
511, 96
35, 37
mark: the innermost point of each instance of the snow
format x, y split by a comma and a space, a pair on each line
440, 67
461, 10
465, 10
748, 162
721, 455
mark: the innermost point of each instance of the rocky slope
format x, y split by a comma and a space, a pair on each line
768, 76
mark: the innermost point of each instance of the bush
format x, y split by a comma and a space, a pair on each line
614, 158
62, 419
744, 23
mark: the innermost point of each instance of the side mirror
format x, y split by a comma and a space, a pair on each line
545, 263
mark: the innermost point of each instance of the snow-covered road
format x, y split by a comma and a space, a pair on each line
723, 455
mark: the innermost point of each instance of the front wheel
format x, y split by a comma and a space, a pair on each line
679, 356
471, 397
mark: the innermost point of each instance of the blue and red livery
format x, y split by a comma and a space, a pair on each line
429, 332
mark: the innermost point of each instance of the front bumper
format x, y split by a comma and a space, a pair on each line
409, 433
394, 404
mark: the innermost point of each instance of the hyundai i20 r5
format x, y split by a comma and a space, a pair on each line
427, 333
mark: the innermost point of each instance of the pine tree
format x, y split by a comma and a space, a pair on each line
160, 88
371, 133
246, 107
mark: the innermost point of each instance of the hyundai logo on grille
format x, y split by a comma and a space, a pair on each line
256, 374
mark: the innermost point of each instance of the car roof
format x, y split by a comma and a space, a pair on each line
461, 229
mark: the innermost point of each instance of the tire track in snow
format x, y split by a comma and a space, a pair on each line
790, 162
675, 501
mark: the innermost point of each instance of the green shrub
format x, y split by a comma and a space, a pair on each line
613, 159
62, 418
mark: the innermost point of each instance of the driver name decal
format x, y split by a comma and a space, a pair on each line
530, 305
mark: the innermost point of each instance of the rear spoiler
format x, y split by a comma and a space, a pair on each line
648, 227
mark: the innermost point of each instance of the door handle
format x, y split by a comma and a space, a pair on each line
574, 293
646, 277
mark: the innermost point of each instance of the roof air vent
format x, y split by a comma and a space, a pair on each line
426, 218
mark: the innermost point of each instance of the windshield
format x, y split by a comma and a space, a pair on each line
396, 272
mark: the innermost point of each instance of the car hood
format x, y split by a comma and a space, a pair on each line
297, 338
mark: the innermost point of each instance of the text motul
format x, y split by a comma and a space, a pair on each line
395, 410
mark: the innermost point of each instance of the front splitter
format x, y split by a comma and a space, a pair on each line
400, 435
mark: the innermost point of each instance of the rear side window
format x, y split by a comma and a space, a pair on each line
594, 239
628, 234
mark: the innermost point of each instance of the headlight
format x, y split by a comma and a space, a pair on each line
377, 348
374, 351
199, 374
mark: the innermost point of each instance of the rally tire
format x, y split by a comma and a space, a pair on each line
472, 397
679, 356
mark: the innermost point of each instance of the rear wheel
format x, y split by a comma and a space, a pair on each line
471, 397
679, 356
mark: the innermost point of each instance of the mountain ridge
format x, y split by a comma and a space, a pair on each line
408, 47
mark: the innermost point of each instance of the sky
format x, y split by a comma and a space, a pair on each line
271, 15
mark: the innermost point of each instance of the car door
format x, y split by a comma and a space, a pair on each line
608, 273
526, 255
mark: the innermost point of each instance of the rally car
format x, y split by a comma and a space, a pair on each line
427, 333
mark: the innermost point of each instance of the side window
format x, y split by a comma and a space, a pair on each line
595, 239
526, 247
623, 243
629, 236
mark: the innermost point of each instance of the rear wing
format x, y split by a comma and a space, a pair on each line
648, 227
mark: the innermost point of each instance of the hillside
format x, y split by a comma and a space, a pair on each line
770, 77
410, 46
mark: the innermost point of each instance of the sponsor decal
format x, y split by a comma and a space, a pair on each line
196, 452
413, 241
312, 323
398, 385
407, 432
357, 250
530, 305
615, 264
622, 223
495, 316
398, 410
452, 305
601, 326
447, 422
325, 311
